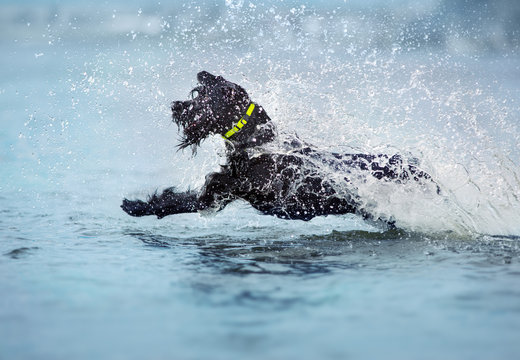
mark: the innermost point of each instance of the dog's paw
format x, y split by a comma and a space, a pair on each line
137, 207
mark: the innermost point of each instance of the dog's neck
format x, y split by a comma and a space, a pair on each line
255, 128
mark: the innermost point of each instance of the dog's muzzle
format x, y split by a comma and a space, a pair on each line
177, 108
184, 112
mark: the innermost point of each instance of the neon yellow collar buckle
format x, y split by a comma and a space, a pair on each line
240, 124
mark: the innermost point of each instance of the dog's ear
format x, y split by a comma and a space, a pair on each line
207, 79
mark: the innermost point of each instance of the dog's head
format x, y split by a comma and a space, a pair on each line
215, 105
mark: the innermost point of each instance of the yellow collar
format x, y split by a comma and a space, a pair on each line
240, 124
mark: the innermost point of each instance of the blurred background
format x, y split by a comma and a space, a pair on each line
458, 27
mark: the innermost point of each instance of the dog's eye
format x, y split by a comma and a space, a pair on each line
195, 93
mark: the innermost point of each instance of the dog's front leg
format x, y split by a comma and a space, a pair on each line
216, 194
217, 191
168, 203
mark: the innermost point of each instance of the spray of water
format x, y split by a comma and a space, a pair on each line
464, 136
425, 82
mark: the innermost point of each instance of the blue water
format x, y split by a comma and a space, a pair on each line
84, 105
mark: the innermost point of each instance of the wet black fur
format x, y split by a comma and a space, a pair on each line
282, 183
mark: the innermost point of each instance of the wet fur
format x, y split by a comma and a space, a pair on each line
287, 183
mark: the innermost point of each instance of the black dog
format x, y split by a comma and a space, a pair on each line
289, 179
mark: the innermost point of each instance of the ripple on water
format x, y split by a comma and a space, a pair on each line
22, 252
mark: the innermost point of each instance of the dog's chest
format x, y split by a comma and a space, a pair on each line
267, 175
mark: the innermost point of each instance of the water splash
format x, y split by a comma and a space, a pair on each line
344, 77
464, 136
